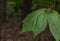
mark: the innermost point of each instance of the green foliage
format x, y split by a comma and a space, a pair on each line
13, 10
39, 24
54, 24
38, 20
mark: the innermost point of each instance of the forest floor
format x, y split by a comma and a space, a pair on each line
11, 31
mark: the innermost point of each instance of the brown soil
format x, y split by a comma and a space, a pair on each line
11, 31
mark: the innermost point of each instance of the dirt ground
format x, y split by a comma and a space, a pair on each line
11, 31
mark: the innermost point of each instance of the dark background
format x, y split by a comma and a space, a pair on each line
12, 12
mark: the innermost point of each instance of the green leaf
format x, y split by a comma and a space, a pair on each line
35, 21
54, 24
39, 24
